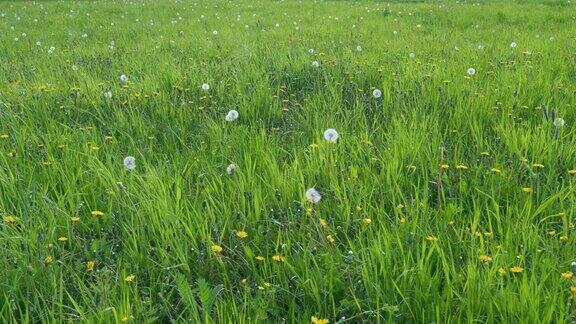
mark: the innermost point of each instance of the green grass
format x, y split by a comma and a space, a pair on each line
407, 234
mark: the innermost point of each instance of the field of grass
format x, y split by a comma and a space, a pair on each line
447, 196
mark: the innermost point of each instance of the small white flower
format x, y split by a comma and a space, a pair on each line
376, 93
513, 44
315, 64
559, 122
130, 162
359, 48
311, 51
123, 78
38, 43
108, 94
471, 71
74, 67
215, 32
205, 86
331, 135
232, 115
412, 55
313, 195
51, 49
231, 168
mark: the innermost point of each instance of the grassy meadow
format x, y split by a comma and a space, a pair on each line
287, 161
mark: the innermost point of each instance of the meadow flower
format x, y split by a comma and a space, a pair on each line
564, 239
313, 195
97, 213
376, 93
130, 162
216, 248
90, 265
316, 320
471, 71
330, 239
567, 275
130, 278
9, 219
359, 48
231, 168
366, 221
315, 64
214, 32
108, 95
74, 67
527, 190
331, 135
232, 115
513, 45
311, 51
412, 55
48, 259
485, 258
241, 234
572, 172
559, 122
51, 49
260, 258
516, 269
205, 86
278, 258
62, 239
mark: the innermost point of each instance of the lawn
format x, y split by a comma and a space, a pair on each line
287, 161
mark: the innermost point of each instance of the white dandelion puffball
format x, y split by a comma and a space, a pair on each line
108, 94
315, 64
231, 168
559, 122
359, 48
513, 44
232, 115
412, 55
331, 135
313, 195
471, 71
130, 162
205, 87
123, 78
376, 93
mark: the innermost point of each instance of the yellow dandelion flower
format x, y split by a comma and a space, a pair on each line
495, 170
564, 239
399, 206
538, 165
502, 272
431, 238
461, 167
313, 146
403, 220
97, 213
359, 207
316, 320
278, 258
130, 278
527, 190
244, 281
366, 221
552, 232
573, 290
309, 211
241, 234
216, 248
572, 172
516, 269
323, 222
4, 136
478, 234
260, 258
48, 259
9, 219
485, 258
90, 265
330, 239
62, 239
567, 275
445, 166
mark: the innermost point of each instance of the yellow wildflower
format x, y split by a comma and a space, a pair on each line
48, 259
516, 269
278, 258
241, 234
366, 221
260, 258
97, 213
62, 239
130, 278
216, 248
90, 265
330, 239
485, 258
316, 320
9, 219
527, 190
567, 275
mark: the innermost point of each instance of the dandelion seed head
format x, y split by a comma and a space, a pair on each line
313, 195
232, 116
376, 93
130, 162
331, 135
